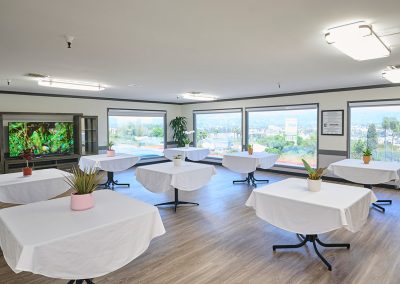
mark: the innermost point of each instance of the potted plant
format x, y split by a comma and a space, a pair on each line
83, 184
314, 176
367, 155
110, 151
27, 154
187, 139
250, 149
177, 160
178, 125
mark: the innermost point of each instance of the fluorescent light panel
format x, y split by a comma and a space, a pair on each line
392, 74
55, 83
358, 41
197, 96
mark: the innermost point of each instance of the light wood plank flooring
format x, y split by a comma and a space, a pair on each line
222, 241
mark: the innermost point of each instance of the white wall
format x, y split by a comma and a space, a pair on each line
327, 101
22, 103
333, 100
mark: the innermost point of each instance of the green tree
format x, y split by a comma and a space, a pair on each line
201, 135
372, 137
394, 127
385, 126
157, 131
357, 149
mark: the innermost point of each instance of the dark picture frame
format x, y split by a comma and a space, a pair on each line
332, 122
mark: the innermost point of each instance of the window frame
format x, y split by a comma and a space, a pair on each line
280, 108
364, 103
220, 110
164, 116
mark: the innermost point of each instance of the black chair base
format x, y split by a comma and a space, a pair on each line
81, 281
176, 202
110, 183
251, 179
314, 240
380, 201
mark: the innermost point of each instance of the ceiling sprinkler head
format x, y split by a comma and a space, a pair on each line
8, 82
69, 40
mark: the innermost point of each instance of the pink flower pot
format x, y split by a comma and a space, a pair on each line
82, 202
110, 153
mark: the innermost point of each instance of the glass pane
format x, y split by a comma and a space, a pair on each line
290, 133
219, 132
141, 136
377, 127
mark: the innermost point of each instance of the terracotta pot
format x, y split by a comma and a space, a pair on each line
177, 162
110, 153
366, 159
27, 171
80, 202
250, 151
314, 185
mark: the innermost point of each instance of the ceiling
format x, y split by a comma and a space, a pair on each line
228, 48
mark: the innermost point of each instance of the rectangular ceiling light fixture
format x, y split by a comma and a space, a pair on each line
198, 96
358, 41
55, 83
392, 73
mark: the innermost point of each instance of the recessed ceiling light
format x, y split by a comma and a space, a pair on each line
132, 85
74, 85
357, 40
198, 96
392, 73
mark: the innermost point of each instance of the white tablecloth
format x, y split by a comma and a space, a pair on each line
165, 176
373, 173
290, 206
120, 162
49, 238
244, 163
192, 153
41, 185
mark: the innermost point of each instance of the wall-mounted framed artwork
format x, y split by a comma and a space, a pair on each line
332, 122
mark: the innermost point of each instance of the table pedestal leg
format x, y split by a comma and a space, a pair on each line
251, 179
314, 240
81, 281
378, 206
109, 184
176, 202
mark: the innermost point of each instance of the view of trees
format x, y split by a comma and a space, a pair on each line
292, 134
382, 138
219, 132
137, 135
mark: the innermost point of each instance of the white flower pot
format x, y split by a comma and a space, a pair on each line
314, 185
187, 145
177, 162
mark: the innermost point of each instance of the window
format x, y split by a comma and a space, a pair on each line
137, 132
289, 131
376, 126
220, 131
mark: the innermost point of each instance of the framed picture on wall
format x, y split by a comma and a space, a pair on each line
332, 122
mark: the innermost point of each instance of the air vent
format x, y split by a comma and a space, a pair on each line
35, 75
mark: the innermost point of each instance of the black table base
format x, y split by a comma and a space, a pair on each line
110, 183
176, 202
378, 203
251, 179
81, 281
314, 240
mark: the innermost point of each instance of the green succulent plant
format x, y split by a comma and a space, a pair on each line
84, 182
367, 152
110, 145
313, 174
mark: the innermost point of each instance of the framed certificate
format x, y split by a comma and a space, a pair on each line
332, 122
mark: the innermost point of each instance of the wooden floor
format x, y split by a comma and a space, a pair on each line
222, 241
